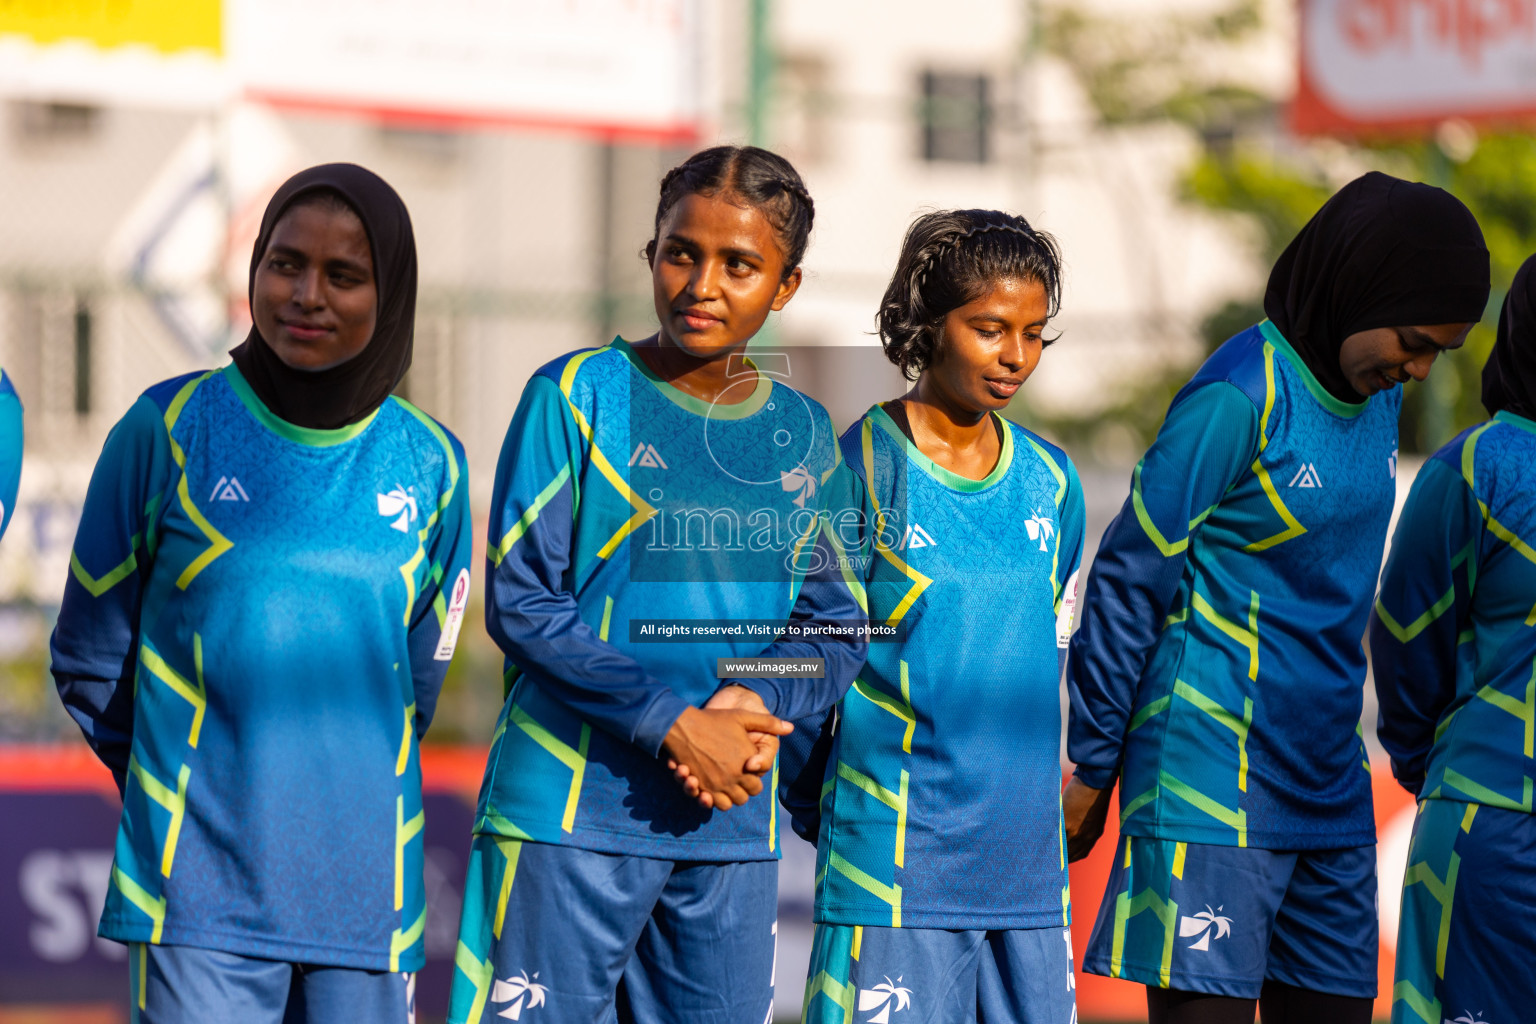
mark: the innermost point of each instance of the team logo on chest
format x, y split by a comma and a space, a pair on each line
228, 489
647, 457
1040, 528
399, 502
914, 537
799, 479
884, 998
1306, 476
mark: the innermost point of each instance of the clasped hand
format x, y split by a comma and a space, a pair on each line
720, 752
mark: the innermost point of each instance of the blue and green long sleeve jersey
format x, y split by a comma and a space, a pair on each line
941, 797
622, 504
1453, 647
254, 631
1219, 667
10, 450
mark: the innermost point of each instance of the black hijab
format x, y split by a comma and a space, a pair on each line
1509, 376
348, 392
1382, 252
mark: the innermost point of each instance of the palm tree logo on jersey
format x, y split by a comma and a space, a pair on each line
1202, 924
889, 996
799, 479
1040, 528
516, 989
398, 502
1467, 1018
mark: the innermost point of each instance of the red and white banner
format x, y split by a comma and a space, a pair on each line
1382, 66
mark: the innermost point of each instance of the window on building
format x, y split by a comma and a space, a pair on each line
82, 358
41, 121
804, 107
956, 117
431, 146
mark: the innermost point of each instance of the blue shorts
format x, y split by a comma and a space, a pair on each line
935, 976
1224, 919
1468, 921
588, 937
186, 985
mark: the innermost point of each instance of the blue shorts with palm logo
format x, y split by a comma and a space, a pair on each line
872, 975
1468, 921
1224, 919
556, 935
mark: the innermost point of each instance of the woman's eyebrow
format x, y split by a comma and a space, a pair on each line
751, 254
342, 263
1421, 338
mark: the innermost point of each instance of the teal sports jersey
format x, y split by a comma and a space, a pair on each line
941, 806
253, 635
10, 450
1219, 667
1452, 643
619, 502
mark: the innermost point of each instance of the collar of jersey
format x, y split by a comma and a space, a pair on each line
697, 406
1514, 419
949, 478
1348, 410
282, 428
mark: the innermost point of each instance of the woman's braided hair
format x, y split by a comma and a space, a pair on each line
950, 258
764, 180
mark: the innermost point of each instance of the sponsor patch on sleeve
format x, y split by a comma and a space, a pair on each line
1064, 617
458, 601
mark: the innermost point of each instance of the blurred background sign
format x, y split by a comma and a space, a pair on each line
1374, 65
615, 67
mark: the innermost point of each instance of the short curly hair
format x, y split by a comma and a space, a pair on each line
949, 258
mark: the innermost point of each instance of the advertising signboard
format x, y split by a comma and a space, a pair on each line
1378, 66
62, 810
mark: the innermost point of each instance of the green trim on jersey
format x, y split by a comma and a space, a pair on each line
954, 481
1349, 410
1515, 420
282, 428
710, 410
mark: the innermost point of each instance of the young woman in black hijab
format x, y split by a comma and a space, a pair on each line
1218, 672
267, 584
1452, 648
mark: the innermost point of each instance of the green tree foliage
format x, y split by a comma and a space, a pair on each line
1141, 68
